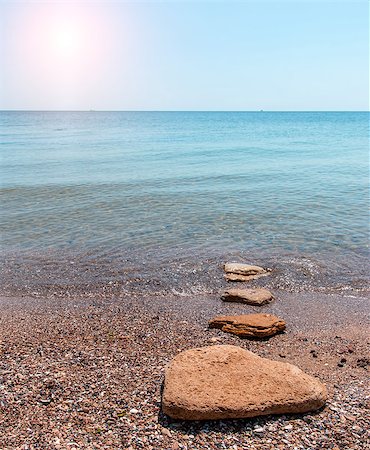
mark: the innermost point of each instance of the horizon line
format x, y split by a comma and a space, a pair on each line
187, 110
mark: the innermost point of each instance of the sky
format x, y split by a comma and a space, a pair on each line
189, 55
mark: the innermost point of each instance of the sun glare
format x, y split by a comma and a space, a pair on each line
69, 34
66, 50
66, 40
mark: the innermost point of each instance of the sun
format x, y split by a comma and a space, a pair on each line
66, 40
66, 49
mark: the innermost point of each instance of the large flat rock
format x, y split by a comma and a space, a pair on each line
228, 382
244, 272
249, 325
257, 296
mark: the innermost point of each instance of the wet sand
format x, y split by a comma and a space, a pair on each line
87, 372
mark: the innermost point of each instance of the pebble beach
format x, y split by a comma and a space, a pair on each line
87, 371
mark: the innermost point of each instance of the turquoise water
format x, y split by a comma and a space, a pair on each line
168, 183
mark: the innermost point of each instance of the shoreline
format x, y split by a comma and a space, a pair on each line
188, 272
87, 372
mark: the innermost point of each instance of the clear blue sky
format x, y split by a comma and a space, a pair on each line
184, 55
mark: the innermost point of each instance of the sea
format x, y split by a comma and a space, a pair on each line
119, 202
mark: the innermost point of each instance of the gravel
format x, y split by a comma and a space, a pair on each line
86, 373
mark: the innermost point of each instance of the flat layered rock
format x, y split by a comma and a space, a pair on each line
249, 325
228, 382
244, 272
257, 296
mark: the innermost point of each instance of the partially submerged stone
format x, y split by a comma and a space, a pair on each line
228, 382
249, 325
257, 296
244, 272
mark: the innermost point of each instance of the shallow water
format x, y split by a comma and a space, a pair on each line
107, 190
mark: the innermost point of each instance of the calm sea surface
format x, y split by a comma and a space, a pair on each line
109, 187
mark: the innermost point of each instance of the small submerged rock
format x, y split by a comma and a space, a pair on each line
257, 296
249, 325
244, 272
228, 382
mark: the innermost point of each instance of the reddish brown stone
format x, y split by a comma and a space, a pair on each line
257, 296
228, 382
249, 325
243, 272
